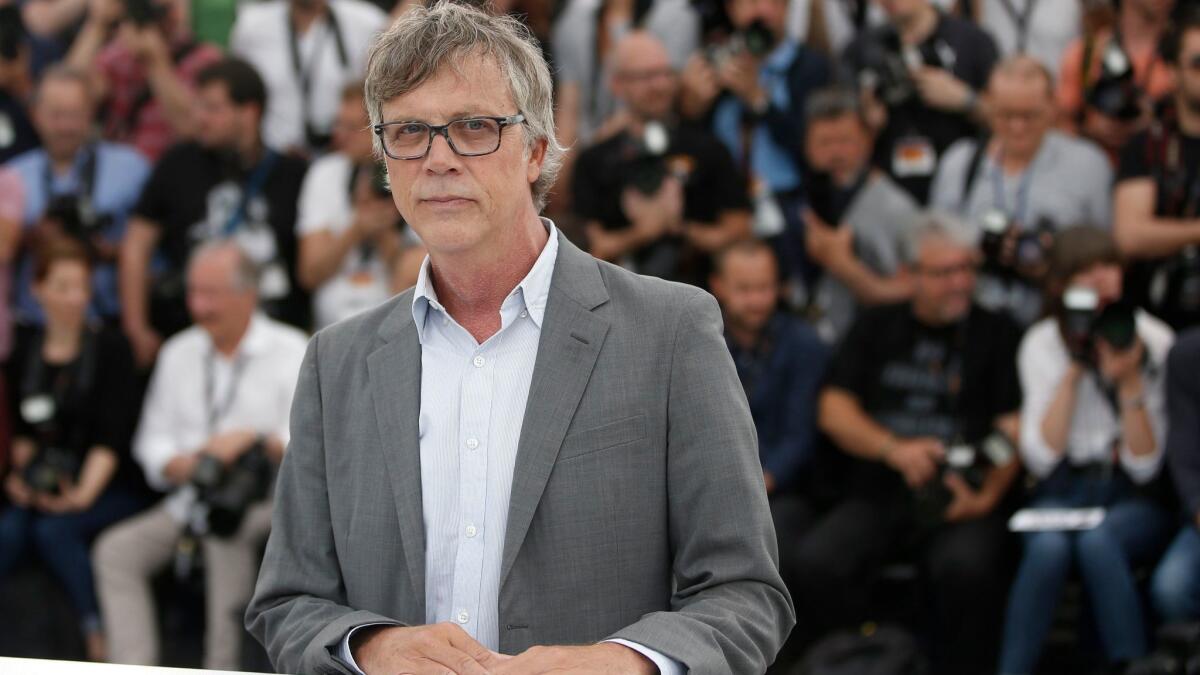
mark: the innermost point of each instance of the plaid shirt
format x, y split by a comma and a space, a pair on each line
131, 114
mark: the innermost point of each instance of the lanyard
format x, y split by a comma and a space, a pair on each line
87, 178
1020, 21
215, 412
303, 74
1022, 197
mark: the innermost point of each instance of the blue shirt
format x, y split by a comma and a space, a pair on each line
119, 175
782, 375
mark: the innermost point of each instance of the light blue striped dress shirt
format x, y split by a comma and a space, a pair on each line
472, 408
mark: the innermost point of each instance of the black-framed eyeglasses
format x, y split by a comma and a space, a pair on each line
469, 137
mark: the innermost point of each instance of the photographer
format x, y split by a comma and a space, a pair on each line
72, 404
17, 134
350, 232
1175, 588
857, 220
1156, 203
75, 186
1021, 185
1111, 76
922, 397
920, 77
659, 196
754, 88
1092, 428
144, 62
219, 400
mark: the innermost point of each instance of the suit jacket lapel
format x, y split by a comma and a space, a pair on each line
569, 345
395, 377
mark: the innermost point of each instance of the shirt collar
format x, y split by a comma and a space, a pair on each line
532, 292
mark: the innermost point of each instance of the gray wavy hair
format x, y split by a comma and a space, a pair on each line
426, 39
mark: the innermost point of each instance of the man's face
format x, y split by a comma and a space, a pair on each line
645, 80
748, 289
839, 146
1187, 71
63, 116
351, 134
1022, 112
215, 302
455, 203
944, 280
773, 13
218, 120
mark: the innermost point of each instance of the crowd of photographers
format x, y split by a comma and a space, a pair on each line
956, 243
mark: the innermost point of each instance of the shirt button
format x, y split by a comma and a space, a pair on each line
463, 617
479, 361
471, 531
472, 443
524, 314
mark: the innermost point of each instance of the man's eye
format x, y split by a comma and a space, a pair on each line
475, 125
410, 129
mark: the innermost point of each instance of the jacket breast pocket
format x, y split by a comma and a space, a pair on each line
610, 435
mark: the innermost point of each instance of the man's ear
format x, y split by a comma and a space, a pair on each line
537, 156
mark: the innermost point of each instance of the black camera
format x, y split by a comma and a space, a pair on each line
144, 12
77, 217
969, 461
889, 74
226, 493
1175, 284
12, 32
756, 39
1116, 93
1030, 247
1084, 320
646, 167
49, 467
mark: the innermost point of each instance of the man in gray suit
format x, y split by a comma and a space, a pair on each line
533, 461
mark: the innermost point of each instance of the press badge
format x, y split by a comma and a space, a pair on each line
913, 156
37, 409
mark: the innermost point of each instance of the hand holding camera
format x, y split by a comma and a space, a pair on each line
826, 243
916, 459
940, 89
739, 74
231, 445
1121, 366
966, 503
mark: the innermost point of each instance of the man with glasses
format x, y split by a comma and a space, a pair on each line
226, 184
662, 209
1156, 206
531, 448
912, 385
1021, 184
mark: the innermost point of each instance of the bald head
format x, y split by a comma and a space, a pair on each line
222, 291
640, 50
643, 77
1021, 71
1021, 100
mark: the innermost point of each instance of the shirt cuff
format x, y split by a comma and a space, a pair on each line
666, 665
344, 654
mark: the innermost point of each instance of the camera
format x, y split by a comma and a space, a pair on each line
226, 493
12, 32
1116, 94
1175, 285
1084, 320
49, 467
1028, 256
647, 168
77, 217
143, 13
890, 73
756, 39
969, 461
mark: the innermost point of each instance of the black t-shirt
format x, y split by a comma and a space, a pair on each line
192, 195
1162, 285
17, 134
947, 382
913, 128
712, 184
96, 407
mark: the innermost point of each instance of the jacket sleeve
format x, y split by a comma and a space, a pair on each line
299, 610
730, 609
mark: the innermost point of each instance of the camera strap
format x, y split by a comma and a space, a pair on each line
254, 185
76, 378
1020, 21
304, 74
1021, 206
217, 412
973, 166
87, 178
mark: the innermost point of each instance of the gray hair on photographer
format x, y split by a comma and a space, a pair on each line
940, 226
426, 39
245, 271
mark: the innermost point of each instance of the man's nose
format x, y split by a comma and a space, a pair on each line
441, 157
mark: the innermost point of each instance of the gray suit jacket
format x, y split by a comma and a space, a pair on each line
637, 507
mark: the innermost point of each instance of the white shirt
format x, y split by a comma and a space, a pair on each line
1042, 362
253, 390
260, 36
472, 410
362, 282
1051, 26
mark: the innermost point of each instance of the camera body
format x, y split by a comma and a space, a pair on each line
1084, 321
969, 461
1116, 94
646, 167
144, 12
227, 493
890, 73
1031, 247
49, 467
77, 217
756, 39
